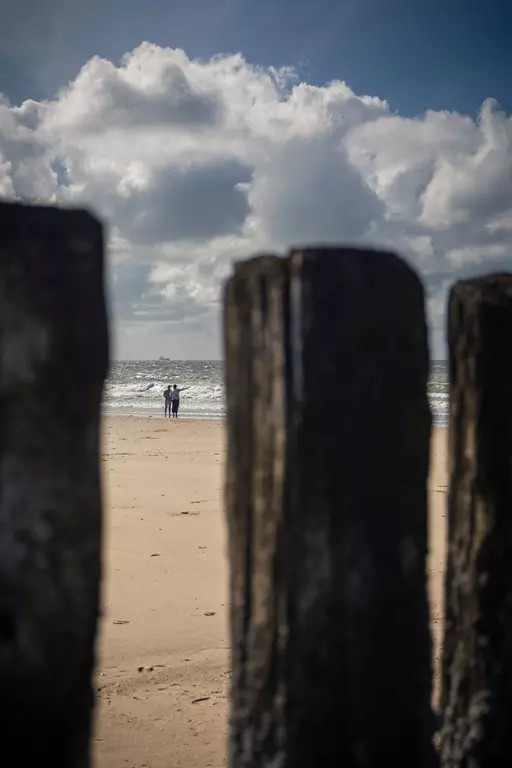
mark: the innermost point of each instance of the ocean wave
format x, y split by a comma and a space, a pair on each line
138, 386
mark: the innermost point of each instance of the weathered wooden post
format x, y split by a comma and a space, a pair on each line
328, 444
477, 663
53, 360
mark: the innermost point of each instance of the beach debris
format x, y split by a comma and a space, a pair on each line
210, 613
203, 698
155, 554
120, 621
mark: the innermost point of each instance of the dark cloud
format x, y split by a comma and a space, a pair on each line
197, 202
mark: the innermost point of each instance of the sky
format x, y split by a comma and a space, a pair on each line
204, 132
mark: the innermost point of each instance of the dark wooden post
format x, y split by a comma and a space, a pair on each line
53, 360
477, 662
328, 434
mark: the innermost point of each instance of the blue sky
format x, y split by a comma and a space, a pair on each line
417, 55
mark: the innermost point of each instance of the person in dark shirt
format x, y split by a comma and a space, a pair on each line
167, 401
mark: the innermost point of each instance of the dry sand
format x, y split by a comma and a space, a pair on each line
438, 486
163, 656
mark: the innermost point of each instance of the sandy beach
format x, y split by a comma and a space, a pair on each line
163, 654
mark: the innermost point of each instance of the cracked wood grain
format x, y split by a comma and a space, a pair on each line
326, 509
477, 659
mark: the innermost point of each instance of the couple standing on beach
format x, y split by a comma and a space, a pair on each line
172, 400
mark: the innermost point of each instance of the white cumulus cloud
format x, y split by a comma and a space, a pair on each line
195, 163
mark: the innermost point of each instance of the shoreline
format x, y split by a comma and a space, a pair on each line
143, 414
116, 413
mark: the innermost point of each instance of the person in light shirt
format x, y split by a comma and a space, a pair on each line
175, 400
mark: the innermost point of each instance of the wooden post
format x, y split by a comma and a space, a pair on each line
53, 360
477, 661
328, 445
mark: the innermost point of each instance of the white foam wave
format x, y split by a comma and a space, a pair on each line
139, 386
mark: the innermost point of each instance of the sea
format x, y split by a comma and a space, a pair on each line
136, 387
